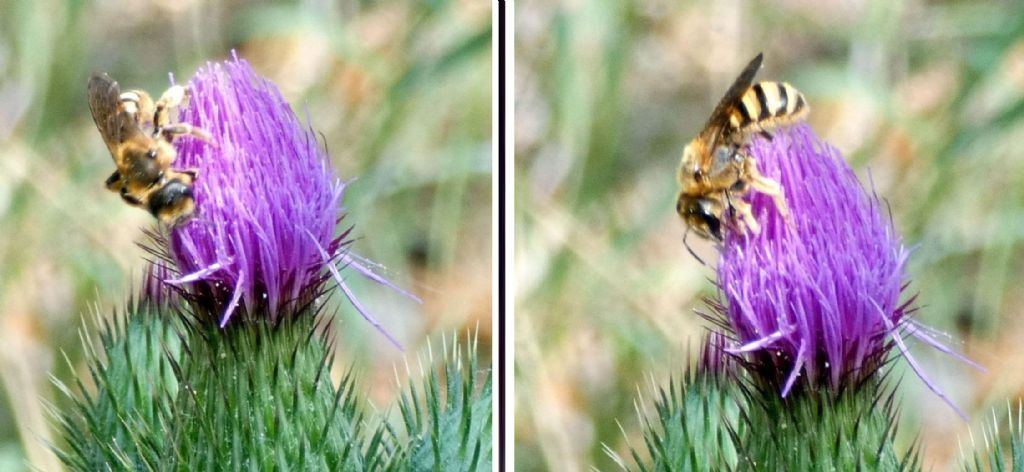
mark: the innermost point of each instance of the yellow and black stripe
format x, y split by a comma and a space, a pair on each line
766, 105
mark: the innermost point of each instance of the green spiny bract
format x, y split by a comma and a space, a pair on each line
174, 396
991, 454
176, 393
447, 421
260, 397
119, 427
695, 426
727, 416
821, 429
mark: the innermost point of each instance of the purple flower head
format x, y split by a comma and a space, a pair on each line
267, 201
818, 297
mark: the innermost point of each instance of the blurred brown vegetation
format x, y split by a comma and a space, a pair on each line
925, 99
401, 91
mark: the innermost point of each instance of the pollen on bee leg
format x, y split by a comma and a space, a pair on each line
131, 97
178, 129
136, 103
173, 97
747, 221
767, 186
130, 102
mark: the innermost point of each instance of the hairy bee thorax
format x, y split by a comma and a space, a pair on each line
695, 175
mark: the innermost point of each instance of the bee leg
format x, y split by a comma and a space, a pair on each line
129, 199
741, 209
113, 182
138, 104
766, 135
766, 186
192, 173
747, 220
172, 98
177, 129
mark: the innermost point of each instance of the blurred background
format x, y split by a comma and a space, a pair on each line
927, 96
401, 91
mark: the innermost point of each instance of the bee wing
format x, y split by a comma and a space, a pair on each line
114, 125
719, 120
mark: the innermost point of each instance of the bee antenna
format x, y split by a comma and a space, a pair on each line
731, 210
728, 201
688, 248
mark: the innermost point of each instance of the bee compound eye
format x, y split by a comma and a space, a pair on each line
696, 208
714, 226
151, 154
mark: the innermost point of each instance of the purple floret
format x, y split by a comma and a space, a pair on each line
268, 201
820, 297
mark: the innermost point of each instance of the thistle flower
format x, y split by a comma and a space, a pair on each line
267, 200
819, 297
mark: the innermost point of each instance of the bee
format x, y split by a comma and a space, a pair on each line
139, 135
716, 170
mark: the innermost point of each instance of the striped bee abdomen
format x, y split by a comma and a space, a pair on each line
766, 105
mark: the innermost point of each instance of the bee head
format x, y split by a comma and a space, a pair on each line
689, 165
702, 214
173, 204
